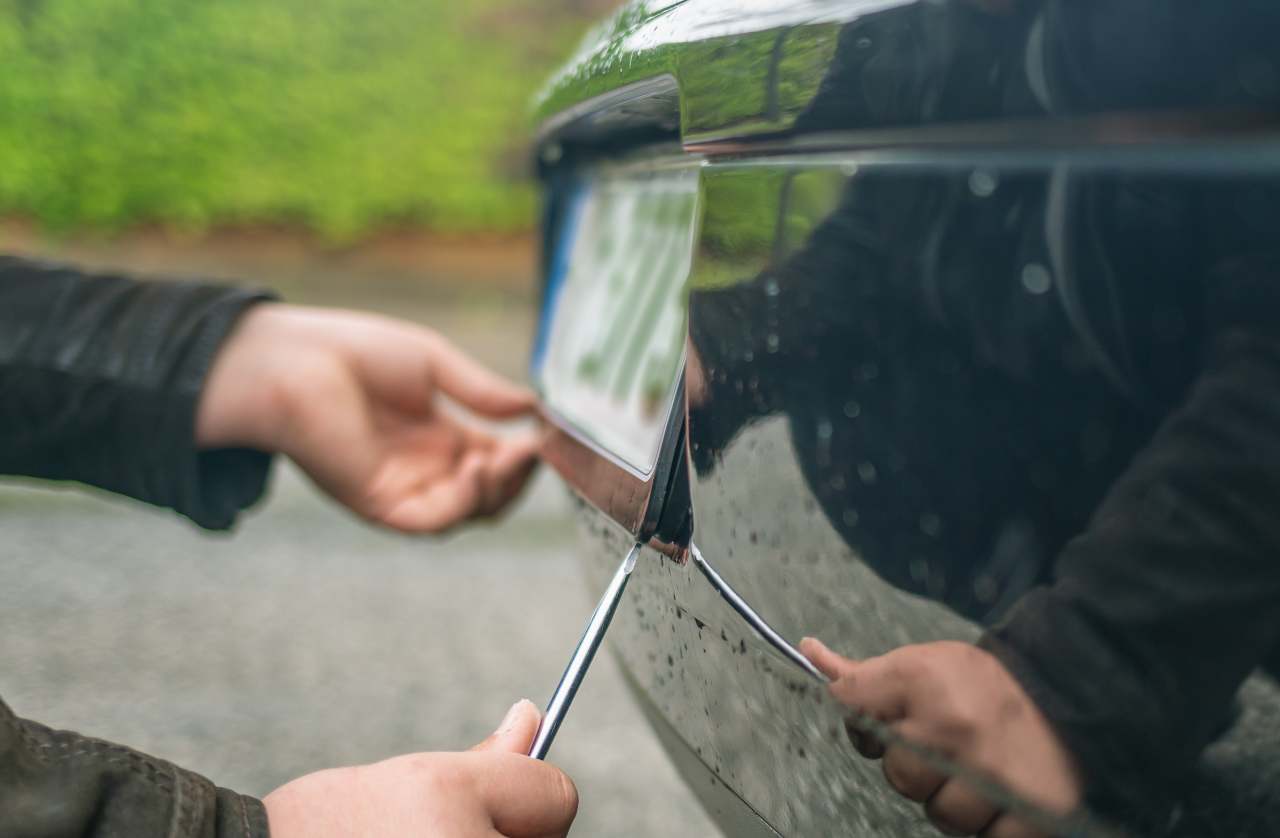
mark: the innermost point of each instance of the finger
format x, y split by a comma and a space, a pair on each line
877, 687
475, 386
957, 809
507, 471
1010, 826
828, 662
516, 732
446, 503
910, 775
526, 798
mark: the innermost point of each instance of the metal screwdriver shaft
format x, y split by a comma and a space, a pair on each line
558, 706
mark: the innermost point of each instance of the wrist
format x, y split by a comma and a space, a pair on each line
242, 404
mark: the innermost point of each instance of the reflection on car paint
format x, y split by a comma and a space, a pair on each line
941, 378
826, 65
890, 519
915, 371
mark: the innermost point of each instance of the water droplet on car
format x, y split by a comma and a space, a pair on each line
1036, 279
867, 473
771, 288
982, 183
772, 342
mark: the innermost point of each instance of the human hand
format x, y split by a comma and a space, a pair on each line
492, 790
353, 399
960, 701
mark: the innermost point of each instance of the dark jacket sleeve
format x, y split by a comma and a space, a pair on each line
55, 783
100, 378
1171, 597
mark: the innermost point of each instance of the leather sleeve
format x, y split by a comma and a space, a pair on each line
100, 378
55, 784
1169, 600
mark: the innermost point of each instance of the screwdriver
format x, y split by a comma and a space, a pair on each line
583, 654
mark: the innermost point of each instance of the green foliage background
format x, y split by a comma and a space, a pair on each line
338, 115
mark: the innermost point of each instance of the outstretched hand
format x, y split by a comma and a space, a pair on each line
962, 702
353, 399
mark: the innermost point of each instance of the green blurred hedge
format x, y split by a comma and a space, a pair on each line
339, 115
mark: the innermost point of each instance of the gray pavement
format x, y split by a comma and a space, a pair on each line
306, 639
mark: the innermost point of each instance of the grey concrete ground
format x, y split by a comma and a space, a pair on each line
306, 639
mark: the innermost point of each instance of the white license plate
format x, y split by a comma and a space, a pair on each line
614, 320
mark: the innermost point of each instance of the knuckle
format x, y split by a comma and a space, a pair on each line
1011, 708
427, 370
910, 774
953, 730
893, 772
455, 446
443, 779
957, 810
845, 690
904, 668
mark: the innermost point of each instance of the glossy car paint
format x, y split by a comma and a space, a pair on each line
946, 281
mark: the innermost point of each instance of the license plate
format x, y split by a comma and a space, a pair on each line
612, 335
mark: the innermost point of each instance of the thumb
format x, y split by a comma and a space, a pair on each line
516, 731
828, 662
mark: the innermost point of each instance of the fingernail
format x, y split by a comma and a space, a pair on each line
509, 720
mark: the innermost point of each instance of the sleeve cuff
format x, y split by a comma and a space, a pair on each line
240, 816
210, 487
1102, 718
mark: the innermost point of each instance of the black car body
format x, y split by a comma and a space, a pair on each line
874, 301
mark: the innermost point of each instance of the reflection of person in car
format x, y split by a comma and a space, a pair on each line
1121, 424
177, 394
1057, 410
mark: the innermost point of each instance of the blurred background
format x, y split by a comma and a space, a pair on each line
349, 153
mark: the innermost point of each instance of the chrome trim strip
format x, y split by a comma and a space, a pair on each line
753, 619
1107, 130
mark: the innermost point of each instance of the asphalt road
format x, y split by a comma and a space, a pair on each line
306, 639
